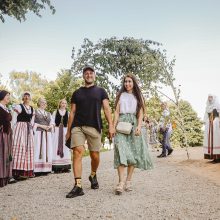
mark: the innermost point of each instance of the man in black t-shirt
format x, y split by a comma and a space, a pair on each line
85, 124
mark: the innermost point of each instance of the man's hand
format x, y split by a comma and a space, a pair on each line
68, 135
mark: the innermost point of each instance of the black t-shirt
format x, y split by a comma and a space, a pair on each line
88, 106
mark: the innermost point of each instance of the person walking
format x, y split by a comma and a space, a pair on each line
85, 124
131, 149
165, 130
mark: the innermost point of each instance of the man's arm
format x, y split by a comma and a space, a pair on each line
108, 116
70, 120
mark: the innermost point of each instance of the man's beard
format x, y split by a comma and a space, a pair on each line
88, 82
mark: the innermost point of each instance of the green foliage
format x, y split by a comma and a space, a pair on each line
2, 86
192, 124
113, 58
153, 110
26, 81
191, 121
63, 87
19, 8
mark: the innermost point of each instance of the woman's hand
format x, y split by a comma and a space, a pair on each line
43, 127
138, 131
111, 132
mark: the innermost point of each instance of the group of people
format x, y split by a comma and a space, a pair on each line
32, 142
38, 141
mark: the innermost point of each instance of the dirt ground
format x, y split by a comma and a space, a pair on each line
176, 188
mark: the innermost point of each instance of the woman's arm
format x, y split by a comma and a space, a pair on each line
139, 121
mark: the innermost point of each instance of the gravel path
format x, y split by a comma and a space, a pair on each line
167, 192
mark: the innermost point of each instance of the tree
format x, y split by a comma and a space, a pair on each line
2, 86
192, 125
26, 81
63, 87
19, 8
113, 58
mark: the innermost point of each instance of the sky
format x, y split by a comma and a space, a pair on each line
189, 30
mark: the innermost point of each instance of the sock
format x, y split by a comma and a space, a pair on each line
93, 173
78, 182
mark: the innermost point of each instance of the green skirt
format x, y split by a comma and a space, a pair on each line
131, 149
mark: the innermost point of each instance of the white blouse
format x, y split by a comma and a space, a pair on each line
127, 103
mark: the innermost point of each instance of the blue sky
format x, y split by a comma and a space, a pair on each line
188, 30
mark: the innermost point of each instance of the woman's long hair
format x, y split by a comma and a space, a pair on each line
136, 92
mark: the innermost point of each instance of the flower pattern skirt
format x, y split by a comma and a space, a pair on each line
131, 149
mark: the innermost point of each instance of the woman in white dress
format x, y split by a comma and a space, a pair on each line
23, 140
61, 154
43, 148
212, 129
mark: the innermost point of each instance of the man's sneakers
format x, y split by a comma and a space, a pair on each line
94, 182
76, 191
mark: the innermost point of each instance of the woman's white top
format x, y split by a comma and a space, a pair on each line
127, 103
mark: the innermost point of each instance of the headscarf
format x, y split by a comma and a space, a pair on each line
26, 93
214, 104
210, 106
3, 93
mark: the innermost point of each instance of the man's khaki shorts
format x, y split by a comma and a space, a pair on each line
79, 135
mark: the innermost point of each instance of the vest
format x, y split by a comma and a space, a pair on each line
61, 119
24, 116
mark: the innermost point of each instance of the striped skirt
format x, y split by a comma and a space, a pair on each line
23, 150
5, 158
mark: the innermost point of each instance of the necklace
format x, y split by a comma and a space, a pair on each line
43, 114
27, 108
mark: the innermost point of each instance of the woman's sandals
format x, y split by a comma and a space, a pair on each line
123, 186
119, 188
128, 186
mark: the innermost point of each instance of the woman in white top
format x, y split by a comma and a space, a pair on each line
23, 139
43, 147
130, 149
61, 154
